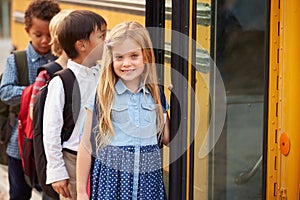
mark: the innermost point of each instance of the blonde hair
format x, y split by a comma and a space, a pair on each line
53, 26
108, 78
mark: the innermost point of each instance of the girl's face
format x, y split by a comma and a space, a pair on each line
39, 35
128, 63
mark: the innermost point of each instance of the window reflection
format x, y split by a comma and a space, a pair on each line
240, 57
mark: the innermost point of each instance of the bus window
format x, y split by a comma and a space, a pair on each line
235, 170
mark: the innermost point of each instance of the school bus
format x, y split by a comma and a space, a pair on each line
234, 106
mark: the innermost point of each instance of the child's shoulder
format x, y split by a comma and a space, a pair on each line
31, 54
11, 59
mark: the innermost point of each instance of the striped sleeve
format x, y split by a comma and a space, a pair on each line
40, 81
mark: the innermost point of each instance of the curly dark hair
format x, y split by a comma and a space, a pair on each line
41, 9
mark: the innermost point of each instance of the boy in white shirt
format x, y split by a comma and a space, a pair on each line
81, 35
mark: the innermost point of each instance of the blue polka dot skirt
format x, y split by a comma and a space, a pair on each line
128, 172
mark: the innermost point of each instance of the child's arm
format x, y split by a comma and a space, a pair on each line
10, 91
83, 165
166, 137
165, 106
56, 172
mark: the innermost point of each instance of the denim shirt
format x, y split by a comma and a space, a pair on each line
11, 92
133, 117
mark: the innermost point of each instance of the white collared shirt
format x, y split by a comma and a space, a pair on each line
87, 79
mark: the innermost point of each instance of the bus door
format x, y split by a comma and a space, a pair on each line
215, 58
238, 38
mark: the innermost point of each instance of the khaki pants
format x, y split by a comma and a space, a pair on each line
70, 162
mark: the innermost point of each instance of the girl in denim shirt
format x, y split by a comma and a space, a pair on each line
127, 120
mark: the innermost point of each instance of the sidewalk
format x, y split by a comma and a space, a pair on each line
4, 187
3, 183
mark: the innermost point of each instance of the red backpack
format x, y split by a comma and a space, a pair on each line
25, 135
25, 129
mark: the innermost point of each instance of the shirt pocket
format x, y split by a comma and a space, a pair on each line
148, 113
120, 113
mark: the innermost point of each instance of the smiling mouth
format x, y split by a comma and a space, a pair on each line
128, 70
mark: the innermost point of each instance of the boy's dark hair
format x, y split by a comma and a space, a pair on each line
78, 25
41, 9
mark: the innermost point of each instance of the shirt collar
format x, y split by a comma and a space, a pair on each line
82, 70
121, 87
34, 56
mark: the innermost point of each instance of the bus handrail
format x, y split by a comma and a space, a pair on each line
245, 176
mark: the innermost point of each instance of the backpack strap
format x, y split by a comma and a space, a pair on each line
51, 68
22, 70
22, 67
4, 108
162, 98
72, 102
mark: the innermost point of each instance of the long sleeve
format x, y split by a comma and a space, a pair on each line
40, 81
10, 91
52, 125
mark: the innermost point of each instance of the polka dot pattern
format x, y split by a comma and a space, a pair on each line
114, 172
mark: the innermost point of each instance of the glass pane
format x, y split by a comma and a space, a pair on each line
235, 40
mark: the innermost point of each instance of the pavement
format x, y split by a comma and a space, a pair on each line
4, 186
5, 48
3, 183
